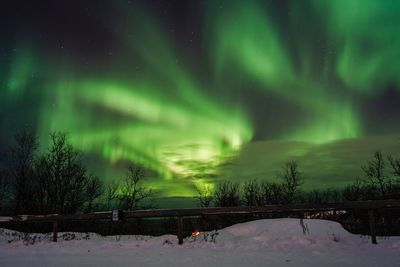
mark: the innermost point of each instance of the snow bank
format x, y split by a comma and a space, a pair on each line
275, 242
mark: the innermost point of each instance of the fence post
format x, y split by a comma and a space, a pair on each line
180, 230
371, 217
55, 231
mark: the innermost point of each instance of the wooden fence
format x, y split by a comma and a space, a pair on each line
368, 206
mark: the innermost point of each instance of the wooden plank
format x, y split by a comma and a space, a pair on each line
371, 218
180, 230
51, 217
295, 208
55, 231
357, 205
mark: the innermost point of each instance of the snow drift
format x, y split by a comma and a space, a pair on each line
274, 242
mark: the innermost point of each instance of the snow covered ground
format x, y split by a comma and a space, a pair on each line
276, 242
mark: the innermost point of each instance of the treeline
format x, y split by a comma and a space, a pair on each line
380, 180
57, 181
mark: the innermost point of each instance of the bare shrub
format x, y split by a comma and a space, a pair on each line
227, 194
395, 164
252, 193
205, 196
271, 193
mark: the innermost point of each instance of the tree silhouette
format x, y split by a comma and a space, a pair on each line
292, 179
94, 189
395, 163
133, 192
252, 193
63, 183
4, 189
111, 193
271, 193
205, 196
227, 194
21, 170
374, 172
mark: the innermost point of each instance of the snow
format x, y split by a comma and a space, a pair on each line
275, 242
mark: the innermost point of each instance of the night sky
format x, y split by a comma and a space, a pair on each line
201, 91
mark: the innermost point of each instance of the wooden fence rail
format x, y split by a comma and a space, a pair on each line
368, 206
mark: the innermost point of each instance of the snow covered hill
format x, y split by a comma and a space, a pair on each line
275, 242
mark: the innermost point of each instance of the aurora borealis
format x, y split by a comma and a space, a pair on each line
198, 91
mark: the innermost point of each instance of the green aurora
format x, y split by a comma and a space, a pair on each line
300, 74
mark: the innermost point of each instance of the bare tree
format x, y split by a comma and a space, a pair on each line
111, 193
395, 187
64, 185
21, 170
133, 192
323, 196
44, 187
94, 189
252, 193
292, 179
354, 191
395, 163
205, 196
374, 172
4, 189
335, 195
227, 194
67, 173
315, 197
272, 193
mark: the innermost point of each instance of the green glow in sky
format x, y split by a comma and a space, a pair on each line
160, 133
167, 124
180, 111
246, 37
22, 70
367, 30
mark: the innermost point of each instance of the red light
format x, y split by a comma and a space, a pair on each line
196, 233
